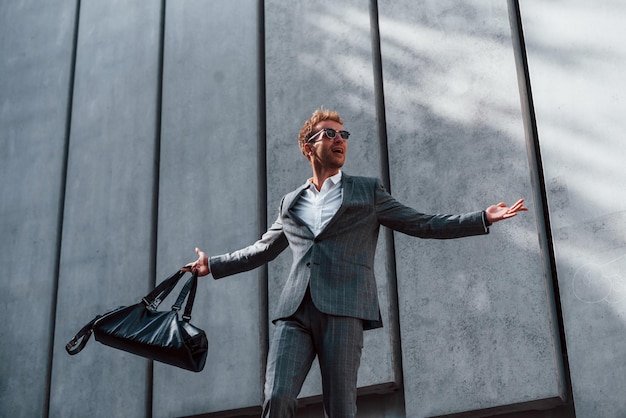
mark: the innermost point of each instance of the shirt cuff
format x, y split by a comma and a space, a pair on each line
486, 223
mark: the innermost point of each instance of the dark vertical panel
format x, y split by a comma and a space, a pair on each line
262, 201
544, 231
36, 44
155, 192
106, 254
209, 194
68, 124
387, 235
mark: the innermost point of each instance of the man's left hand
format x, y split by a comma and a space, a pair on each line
501, 211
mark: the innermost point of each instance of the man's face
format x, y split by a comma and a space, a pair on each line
326, 152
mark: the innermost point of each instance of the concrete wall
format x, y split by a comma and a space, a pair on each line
35, 82
209, 146
575, 55
109, 193
131, 132
473, 311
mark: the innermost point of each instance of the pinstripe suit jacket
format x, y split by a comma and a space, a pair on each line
338, 263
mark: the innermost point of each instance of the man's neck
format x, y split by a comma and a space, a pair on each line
321, 175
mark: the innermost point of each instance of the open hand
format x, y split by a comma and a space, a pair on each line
201, 265
500, 211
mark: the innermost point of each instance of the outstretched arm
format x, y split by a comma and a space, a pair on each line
500, 211
271, 244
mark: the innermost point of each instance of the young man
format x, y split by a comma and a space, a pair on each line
331, 224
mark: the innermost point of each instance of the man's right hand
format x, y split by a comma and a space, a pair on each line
201, 265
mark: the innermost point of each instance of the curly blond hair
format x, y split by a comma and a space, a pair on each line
318, 116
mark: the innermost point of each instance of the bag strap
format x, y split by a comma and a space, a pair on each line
153, 299
76, 344
189, 292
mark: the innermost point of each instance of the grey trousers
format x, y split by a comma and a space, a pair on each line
336, 340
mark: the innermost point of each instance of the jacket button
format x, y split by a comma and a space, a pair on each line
308, 264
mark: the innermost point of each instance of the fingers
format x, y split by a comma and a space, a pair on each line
191, 268
518, 206
513, 210
202, 257
198, 264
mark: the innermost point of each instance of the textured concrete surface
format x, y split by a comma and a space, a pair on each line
208, 196
473, 311
35, 65
576, 56
152, 173
106, 253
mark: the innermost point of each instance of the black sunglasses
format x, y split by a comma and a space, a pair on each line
330, 134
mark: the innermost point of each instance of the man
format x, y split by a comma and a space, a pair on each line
331, 224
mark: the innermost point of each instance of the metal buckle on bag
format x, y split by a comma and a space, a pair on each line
186, 318
154, 305
73, 343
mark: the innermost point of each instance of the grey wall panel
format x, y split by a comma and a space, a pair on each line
319, 54
476, 322
476, 319
106, 250
36, 51
208, 195
576, 55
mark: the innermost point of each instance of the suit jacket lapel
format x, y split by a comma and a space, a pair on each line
290, 201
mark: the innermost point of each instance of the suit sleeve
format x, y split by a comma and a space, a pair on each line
401, 218
271, 244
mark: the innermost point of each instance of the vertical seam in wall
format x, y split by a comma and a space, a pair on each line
539, 188
155, 192
263, 274
381, 122
61, 213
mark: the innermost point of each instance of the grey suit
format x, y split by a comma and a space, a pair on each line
338, 264
336, 270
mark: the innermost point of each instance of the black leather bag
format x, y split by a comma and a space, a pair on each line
143, 330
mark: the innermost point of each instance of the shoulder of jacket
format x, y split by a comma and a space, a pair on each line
361, 179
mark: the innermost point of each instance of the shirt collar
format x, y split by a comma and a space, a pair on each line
335, 179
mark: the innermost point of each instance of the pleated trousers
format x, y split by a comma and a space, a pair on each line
336, 340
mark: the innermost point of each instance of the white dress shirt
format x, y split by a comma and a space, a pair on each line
315, 208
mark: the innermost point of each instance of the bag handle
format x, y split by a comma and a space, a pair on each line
189, 289
76, 344
153, 299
